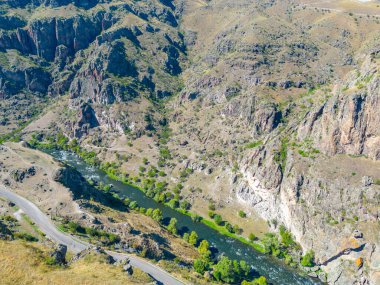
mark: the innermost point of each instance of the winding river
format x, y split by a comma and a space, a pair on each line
275, 271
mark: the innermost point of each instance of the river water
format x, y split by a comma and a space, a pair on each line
275, 271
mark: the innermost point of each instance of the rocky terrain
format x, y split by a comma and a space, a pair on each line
270, 106
66, 197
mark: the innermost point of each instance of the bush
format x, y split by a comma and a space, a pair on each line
308, 259
186, 237
193, 238
252, 237
286, 237
271, 244
204, 250
133, 205
196, 218
229, 271
185, 205
172, 227
242, 214
260, 281
229, 227
157, 215
200, 266
218, 219
149, 212
24, 236
173, 203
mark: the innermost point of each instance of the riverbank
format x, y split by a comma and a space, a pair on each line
220, 229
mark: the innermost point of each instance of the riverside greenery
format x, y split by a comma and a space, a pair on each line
270, 244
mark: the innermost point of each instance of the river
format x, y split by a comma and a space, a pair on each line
276, 272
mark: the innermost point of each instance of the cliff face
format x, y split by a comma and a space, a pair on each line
321, 192
348, 122
101, 55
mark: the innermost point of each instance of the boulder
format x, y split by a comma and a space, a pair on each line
59, 254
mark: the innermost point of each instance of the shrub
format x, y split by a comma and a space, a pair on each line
229, 227
260, 281
242, 214
252, 237
200, 266
286, 236
204, 250
185, 205
24, 236
196, 218
173, 203
271, 244
308, 259
172, 227
186, 237
229, 271
149, 212
157, 215
133, 205
193, 238
218, 219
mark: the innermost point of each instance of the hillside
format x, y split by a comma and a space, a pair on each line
262, 112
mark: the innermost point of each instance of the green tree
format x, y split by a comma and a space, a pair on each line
149, 212
286, 237
193, 238
229, 271
186, 237
157, 215
133, 205
308, 259
252, 237
218, 219
172, 227
200, 266
204, 250
173, 203
229, 227
260, 281
224, 270
271, 244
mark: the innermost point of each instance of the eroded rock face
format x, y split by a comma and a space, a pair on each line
43, 36
348, 122
310, 200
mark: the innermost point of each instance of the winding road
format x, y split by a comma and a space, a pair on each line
76, 245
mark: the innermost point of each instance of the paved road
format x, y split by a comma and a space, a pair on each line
76, 245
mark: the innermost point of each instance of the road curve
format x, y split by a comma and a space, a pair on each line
76, 245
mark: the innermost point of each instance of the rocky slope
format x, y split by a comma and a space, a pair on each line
272, 104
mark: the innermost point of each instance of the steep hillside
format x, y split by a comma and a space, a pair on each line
266, 107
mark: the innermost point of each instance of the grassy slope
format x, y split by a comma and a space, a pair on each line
23, 263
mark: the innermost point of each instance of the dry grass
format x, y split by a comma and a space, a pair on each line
23, 263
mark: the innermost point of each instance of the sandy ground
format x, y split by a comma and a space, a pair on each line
40, 188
